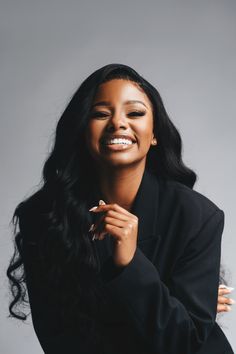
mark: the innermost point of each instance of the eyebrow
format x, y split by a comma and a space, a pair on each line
107, 103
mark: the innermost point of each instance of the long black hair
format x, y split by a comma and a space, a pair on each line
58, 211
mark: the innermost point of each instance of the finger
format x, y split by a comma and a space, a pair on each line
115, 222
110, 217
112, 230
115, 207
225, 300
222, 291
101, 236
223, 308
110, 222
115, 215
225, 286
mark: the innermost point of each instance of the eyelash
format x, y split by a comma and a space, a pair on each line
132, 114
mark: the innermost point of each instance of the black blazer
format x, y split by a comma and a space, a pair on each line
165, 300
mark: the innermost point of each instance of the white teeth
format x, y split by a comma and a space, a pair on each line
119, 141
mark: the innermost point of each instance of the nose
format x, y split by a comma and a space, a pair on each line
116, 122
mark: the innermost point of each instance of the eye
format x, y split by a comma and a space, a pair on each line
99, 114
104, 115
136, 113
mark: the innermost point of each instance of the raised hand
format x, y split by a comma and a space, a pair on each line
122, 226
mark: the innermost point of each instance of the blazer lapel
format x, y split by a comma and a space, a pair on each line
145, 207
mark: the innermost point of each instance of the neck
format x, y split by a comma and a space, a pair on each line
120, 186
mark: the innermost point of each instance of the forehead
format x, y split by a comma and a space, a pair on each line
121, 90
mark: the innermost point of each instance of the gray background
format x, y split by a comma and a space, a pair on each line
184, 48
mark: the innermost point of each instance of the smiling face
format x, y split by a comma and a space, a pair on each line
120, 128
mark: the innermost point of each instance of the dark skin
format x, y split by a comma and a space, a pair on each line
120, 167
120, 171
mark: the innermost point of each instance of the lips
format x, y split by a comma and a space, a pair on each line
122, 136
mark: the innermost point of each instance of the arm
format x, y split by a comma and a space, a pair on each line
176, 319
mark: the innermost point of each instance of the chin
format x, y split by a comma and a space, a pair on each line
118, 162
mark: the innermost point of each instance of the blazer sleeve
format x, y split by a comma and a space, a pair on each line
177, 318
52, 336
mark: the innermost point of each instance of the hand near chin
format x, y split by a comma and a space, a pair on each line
122, 226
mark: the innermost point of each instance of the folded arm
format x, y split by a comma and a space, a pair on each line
177, 318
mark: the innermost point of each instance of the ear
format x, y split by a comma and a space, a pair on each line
154, 141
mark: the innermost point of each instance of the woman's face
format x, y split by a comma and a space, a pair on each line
120, 128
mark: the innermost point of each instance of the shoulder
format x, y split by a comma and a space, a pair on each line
190, 205
188, 197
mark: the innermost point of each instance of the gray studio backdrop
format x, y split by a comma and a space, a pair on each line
184, 48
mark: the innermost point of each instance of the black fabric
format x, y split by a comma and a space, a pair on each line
164, 301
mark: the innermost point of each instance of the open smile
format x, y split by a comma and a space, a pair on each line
118, 146
117, 142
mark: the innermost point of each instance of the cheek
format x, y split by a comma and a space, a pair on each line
92, 136
145, 133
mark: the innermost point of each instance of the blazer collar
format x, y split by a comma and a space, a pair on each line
145, 206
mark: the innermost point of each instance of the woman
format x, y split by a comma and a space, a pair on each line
120, 254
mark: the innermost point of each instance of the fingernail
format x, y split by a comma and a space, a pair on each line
101, 202
94, 237
232, 301
228, 308
91, 228
226, 287
93, 208
229, 288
